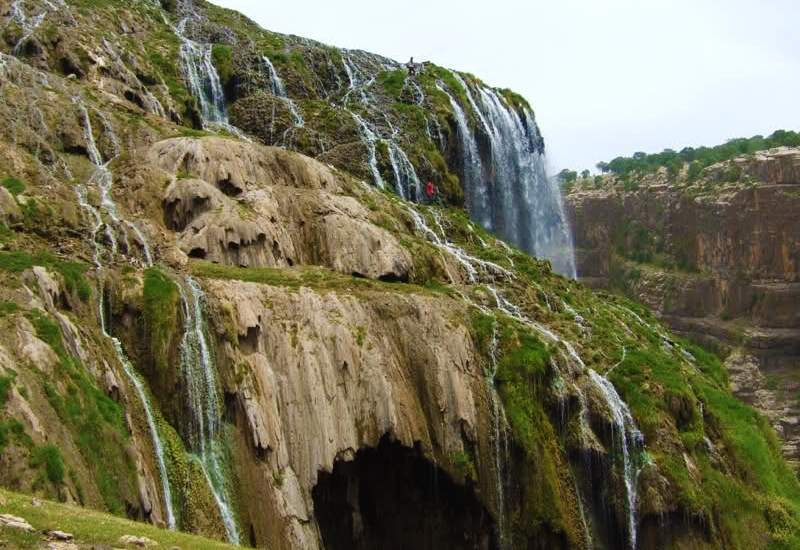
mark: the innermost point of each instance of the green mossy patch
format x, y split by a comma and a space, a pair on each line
72, 272
161, 298
13, 186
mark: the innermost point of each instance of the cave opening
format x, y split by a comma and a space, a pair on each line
391, 497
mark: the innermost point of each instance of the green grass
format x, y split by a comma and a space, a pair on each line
49, 457
316, 278
222, 57
88, 526
13, 185
393, 81
72, 272
6, 382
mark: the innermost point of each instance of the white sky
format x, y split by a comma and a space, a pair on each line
606, 78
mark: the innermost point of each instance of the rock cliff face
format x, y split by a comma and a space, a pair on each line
229, 338
718, 261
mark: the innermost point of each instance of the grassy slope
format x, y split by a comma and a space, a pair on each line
88, 527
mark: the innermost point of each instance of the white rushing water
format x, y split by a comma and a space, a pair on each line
406, 180
625, 433
629, 438
204, 83
202, 77
370, 140
279, 91
200, 373
507, 189
102, 177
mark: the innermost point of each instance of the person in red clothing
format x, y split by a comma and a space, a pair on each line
430, 190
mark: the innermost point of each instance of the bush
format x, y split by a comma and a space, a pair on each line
49, 456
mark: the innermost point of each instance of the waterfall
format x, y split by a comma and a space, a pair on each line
202, 77
103, 178
406, 181
369, 139
29, 24
279, 91
498, 418
629, 436
507, 189
138, 385
204, 82
475, 191
200, 374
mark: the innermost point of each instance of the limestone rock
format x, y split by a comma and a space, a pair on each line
321, 375
262, 206
15, 522
139, 542
33, 350
10, 213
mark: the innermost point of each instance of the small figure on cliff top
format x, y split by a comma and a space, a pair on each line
412, 67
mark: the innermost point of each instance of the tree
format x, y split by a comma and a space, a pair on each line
585, 174
567, 176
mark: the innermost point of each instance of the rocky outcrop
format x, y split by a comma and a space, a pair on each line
245, 205
323, 376
719, 261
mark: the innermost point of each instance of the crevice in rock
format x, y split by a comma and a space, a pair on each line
229, 188
391, 497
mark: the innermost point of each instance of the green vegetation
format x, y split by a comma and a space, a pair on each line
464, 465
96, 422
72, 272
393, 81
6, 383
13, 185
161, 317
222, 57
698, 406
89, 527
643, 163
49, 457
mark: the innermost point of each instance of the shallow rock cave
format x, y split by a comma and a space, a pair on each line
391, 497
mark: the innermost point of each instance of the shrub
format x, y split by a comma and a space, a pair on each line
49, 456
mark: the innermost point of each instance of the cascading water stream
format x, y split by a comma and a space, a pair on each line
202, 77
30, 24
627, 433
103, 178
204, 82
507, 189
200, 373
499, 425
406, 181
370, 140
475, 190
279, 91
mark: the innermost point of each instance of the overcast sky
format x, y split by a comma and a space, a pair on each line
606, 78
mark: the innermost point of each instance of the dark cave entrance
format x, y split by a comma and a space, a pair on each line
392, 498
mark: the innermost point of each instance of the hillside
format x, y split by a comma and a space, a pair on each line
291, 347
